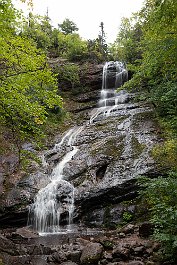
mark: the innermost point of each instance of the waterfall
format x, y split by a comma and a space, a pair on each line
114, 76
58, 196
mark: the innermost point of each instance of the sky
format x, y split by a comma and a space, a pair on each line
87, 14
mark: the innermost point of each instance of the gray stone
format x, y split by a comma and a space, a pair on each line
121, 253
150, 263
39, 250
139, 250
58, 257
25, 233
104, 262
128, 229
121, 235
74, 256
136, 262
38, 260
68, 263
91, 253
8, 246
16, 260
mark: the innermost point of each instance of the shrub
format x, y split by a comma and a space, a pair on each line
160, 195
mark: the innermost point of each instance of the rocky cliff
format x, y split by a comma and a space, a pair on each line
114, 147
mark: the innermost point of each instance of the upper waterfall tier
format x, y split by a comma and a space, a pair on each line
114, 75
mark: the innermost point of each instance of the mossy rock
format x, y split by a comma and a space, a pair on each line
137, 147
113, 147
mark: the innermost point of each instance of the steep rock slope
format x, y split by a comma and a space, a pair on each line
114, 147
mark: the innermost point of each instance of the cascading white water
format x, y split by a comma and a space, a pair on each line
114, 76
58, 196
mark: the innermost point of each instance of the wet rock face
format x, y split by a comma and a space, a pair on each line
114, 148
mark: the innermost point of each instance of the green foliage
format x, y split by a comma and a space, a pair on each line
69, 73
28, 88
164, 96
8, 16
68, 27
147, 42
62, 42
26, 157
76, 48
102, 42
39, 29
53, 41
165, 154
160, 196
159, 67
127, 217
108, 245
127, 45
94, 51
70, 46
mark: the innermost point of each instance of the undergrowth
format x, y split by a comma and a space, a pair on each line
160, 197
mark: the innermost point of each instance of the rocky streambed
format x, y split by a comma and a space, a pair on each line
128, 245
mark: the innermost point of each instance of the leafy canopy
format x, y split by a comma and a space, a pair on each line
27, 87
68, 26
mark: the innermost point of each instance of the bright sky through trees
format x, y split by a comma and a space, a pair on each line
87, 14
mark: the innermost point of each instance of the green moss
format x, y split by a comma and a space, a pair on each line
113, 146
127, 217
108, 245
165, 154
137, 147
110, 122
143, 118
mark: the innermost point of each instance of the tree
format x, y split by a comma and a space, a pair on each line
102, 34
102, 41
68, 26
127, 46
147, 42
27, 87
76, 47
39, 29
159, 64
69, 73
